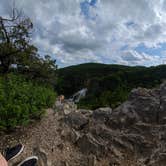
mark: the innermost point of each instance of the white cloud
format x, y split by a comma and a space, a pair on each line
72, 38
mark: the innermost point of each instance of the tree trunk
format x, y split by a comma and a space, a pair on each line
5, 65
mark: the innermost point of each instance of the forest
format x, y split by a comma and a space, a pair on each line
108, 85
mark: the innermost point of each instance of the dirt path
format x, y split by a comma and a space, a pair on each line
45, 139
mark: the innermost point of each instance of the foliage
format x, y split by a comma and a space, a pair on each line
22, 100
41, 69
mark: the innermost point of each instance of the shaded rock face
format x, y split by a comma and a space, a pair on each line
132, 134
76, 120
89, 145
102, 114
143, 106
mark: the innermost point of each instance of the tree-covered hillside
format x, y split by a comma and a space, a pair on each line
108, 85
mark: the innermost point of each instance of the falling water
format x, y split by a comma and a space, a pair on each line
79, 95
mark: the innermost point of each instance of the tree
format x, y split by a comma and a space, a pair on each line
43, 69
15, 33
16, 48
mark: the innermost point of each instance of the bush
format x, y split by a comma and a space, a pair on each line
22, 100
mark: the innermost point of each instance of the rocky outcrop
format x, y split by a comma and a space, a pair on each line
132, 134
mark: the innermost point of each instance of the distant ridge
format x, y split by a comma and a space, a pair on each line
108, 84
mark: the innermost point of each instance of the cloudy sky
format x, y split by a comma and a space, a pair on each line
129, 32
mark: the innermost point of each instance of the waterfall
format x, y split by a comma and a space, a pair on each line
79, 95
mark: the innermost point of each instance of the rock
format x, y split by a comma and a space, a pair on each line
116, 153
159, 159
123, 116
76, 120
64, 163
42, 155
143, 106
92, 160
137, 144
87, 113
65, 133
139, 92
60, 146
67, 111
101, 131
162, 112
74, 136
102, 114
69, 107
146, 104
65, 107
58, 106
89, 145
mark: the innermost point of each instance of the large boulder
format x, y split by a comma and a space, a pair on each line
146, 104
102, 114
143, 106
69, 107
123, 116
65, 107
76, 120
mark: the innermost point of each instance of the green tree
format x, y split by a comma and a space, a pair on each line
43, 69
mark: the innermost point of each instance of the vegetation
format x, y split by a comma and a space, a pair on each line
26, 78
22, 100
108, 85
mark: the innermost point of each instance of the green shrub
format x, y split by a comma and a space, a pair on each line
22, 100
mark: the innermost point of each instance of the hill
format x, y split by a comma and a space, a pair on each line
108, 85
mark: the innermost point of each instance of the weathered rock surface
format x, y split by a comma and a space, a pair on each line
132, 134
102, 114
76, 120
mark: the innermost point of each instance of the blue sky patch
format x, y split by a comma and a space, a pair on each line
85, 8
123, 48
151, 51
129, 23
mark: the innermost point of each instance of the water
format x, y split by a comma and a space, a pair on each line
79, 95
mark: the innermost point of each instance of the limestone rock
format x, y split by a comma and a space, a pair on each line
89, 145
74, 136
92, 160
76, 120
42, 155
102, 113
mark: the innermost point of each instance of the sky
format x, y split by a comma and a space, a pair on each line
128, 32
